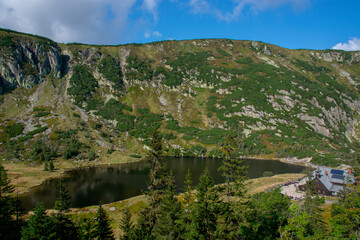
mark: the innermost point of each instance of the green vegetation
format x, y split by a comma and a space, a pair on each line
111, 70
7, 41
113, 109
14, 130
42, 114
138, 69
82, 84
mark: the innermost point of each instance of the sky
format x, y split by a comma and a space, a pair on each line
305, 24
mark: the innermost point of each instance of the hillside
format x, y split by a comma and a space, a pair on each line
81, 101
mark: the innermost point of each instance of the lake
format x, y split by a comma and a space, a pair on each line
111, 183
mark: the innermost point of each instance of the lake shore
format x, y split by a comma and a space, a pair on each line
25, 176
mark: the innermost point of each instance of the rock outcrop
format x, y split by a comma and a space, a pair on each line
27, 62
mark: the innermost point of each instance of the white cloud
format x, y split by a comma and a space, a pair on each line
151, 6
87, 21
154, 34
351, 45
238, 6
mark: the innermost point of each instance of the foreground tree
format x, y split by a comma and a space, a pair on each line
126, 226
205, 210
233, 170
345, 216
62, 202
39, 226
161, 193
9, 207
306, 220
267, 212
103, 228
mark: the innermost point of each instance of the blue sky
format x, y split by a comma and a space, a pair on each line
309, 24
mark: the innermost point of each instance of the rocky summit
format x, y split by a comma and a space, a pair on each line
84, 101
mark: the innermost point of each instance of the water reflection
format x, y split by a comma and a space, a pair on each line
106, 184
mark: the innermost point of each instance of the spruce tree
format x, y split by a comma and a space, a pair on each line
126, 226
103, 228
233, 170
46, 166
39, 226
51, 166
205, 210
160, 181
62, 202
64, 227
167, 223
9, 227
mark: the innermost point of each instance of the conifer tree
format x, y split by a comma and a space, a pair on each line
205, 210
167, 223
64, 227
9, 227
160, 181
62, 202
233, 170
51, 166
187, 189
39, 226
126, 226
103, 228
46, 166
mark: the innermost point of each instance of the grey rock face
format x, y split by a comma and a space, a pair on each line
28, 64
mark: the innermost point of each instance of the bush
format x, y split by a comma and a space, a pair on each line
135, 156
14, 130
41, 114
82, 85
125, 123
113, 109
7, 41
111, 70
91, 155
268, 174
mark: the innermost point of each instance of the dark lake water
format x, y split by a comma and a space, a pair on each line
105, 184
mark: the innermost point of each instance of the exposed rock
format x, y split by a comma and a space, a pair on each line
28, 64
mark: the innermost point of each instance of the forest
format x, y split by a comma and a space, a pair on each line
203, 211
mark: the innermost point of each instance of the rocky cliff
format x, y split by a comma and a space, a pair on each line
25, 61
276, 102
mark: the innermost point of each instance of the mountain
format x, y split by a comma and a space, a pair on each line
82, 100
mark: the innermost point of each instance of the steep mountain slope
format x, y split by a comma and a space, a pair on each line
81, 99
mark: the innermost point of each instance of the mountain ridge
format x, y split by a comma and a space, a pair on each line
275, 101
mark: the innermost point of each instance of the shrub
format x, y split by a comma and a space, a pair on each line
111, 70
125, 123
91, 155
41, 114
14, 130
268, 174
82, 84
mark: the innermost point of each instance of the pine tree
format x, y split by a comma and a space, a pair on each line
62, 202
103, 228
39, 226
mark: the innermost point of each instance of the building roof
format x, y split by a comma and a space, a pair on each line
333, 179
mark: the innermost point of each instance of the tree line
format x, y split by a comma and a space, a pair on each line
203, 211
